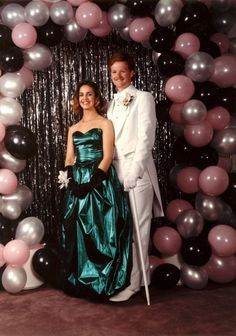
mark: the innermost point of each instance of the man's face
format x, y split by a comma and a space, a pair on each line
121, 76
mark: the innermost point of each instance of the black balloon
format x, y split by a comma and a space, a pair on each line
182, 151
45, 263
7, 229
207, 92
210, 48
141, 7
11, 59
165, 276
170, 63
5, 37
203, 157
194, 18
104, 5
229, 195
20, 142
226, 97
162, 39
162, 110
50, 34
195, 251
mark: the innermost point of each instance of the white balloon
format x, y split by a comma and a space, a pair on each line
11, 85
10, 111
30, 230
12, 14
11, 209
23, 196
36, 13
13, 279
38, 57
74, 33
61, 13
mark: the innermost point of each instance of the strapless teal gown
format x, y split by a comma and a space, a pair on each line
96, 231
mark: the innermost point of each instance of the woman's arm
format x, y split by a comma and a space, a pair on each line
108, 145
70, 154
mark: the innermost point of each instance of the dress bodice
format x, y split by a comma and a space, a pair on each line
88, 146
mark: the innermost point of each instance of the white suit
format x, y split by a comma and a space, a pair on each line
134, 121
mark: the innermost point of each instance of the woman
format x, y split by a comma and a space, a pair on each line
96, 228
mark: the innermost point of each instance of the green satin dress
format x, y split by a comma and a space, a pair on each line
96, 231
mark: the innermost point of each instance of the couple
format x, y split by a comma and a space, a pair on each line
100, 248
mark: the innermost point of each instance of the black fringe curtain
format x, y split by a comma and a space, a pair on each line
47, 113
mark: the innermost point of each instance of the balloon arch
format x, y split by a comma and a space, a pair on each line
185, 54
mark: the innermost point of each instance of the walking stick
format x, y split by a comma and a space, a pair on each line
136, 224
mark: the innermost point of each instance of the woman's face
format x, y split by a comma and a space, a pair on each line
121, 75
87, 97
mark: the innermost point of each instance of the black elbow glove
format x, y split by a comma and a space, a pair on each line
79, 190
97, 178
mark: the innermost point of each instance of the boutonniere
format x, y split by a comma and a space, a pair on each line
126, 99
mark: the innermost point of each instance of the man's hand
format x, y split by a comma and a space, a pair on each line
130, 182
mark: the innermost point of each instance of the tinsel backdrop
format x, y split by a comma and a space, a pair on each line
47, 112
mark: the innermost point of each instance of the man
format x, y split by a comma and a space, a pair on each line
133, 115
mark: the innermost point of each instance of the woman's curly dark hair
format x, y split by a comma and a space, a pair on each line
100, 105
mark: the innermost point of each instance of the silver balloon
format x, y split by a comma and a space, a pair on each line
74, 33
210, 207
8, 161
167, 12
38, 57
119, 16
36, 13
199, 66
11, 111
193, 277
61, 12
225, 141
124, 33
11, 209
12, 14
11, 85
23, 196
190, 223
14, 279
30, 230
194, 111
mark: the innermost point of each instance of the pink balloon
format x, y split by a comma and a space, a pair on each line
186, 44
103, 28
222, 239
167, 240
2, 260
187, 179
175, 113
26, 75
221, 269
179, 88
154, 261
218, 117
24, 35
140, 29
222, 41
226, 163
198, 135
16, 252
88, 15
2, 131
225, 71
8, 181
213, 180
175, 207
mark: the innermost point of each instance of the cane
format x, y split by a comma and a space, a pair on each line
136, 224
